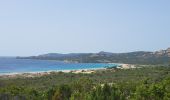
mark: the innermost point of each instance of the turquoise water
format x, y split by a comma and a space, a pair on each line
11, 65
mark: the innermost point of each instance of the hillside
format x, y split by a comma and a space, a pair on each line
138, 57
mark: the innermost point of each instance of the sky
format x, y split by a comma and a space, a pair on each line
33, 27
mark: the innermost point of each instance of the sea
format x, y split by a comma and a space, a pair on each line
13, 65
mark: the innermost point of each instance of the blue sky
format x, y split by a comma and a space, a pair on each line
32, 27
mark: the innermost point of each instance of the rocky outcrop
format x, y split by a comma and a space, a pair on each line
168, 52
163, 52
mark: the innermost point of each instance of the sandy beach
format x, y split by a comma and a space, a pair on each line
38, 74
84, 71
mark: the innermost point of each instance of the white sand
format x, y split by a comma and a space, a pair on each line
84, 71
38, 74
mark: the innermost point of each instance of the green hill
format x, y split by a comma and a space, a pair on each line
139, 57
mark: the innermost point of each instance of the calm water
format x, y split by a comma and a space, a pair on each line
11, 65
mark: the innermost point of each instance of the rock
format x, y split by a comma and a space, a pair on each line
160, 53
163, 53
168, 50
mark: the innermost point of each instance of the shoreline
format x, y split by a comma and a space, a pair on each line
75, 71
42, 73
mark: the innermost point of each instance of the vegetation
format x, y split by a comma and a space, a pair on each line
139, 57
147, 83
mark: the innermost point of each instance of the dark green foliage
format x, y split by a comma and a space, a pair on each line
20, 93
148, 83
106, 92
154, 91
82, 85
62, 92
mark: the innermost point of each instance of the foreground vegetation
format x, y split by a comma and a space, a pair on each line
147, 83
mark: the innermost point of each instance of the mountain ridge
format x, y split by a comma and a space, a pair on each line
136, 57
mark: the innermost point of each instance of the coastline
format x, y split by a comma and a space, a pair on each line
42, 73
75, 71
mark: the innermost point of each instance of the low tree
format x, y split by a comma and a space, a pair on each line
63, 92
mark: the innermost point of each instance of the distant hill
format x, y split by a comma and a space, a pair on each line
139, 57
